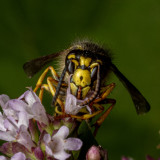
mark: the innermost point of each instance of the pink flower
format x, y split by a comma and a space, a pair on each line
17, 156
57, 144
30, 103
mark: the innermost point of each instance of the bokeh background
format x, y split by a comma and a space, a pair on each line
131, 29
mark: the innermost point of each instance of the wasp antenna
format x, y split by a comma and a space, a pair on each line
96, 89
141, 104
59, 86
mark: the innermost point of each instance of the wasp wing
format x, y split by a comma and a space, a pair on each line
35, 65
141, 104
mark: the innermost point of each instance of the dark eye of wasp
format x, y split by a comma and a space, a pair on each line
94, 73
71, 67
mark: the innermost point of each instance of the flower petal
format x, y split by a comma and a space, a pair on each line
23, 119
38, 153
10, 124
24, 138
63, 132
19, 156
47, 138
17, 105
6, 136
49, 151
61, 155
30, 97
71, 106
73, 144
2, 128
39, 113
3, 158
6, 148
3, 100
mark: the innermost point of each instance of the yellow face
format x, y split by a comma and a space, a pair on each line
81, 79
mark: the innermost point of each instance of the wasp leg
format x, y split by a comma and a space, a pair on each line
82, 117
105, 114
40, 80
44, 86
105, 93
50, 88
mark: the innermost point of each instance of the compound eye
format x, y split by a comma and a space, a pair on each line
71, 67
94, 73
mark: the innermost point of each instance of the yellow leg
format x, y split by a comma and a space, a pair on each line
105, 114
83, 117
40, 80
106, 92
44, 86
50, 88
53, 91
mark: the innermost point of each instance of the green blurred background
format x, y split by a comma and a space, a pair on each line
131, 29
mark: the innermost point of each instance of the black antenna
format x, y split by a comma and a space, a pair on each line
59, 86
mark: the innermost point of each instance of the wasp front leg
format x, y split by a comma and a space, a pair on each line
51, 88
43, 75
105, 91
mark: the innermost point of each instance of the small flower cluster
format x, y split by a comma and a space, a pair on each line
30, 134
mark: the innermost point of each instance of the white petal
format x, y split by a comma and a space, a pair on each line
71, 106
63, 132
23, 95
61, 155
19, 156
23, 119
2, 128
56, 144
39, 112
3, 158
10, 124
6, 136
49, 151
72, 144
30, 97
17, 105
3, 100
24, 138
47, 138
10, 112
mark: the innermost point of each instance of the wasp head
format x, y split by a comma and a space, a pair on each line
85, 64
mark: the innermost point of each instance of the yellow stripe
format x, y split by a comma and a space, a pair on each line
82, 60
85, 61
71, 56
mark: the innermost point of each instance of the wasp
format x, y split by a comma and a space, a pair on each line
84, 70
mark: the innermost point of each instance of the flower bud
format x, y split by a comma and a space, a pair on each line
93, 153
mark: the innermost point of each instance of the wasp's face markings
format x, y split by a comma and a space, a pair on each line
85, 71
81, 77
